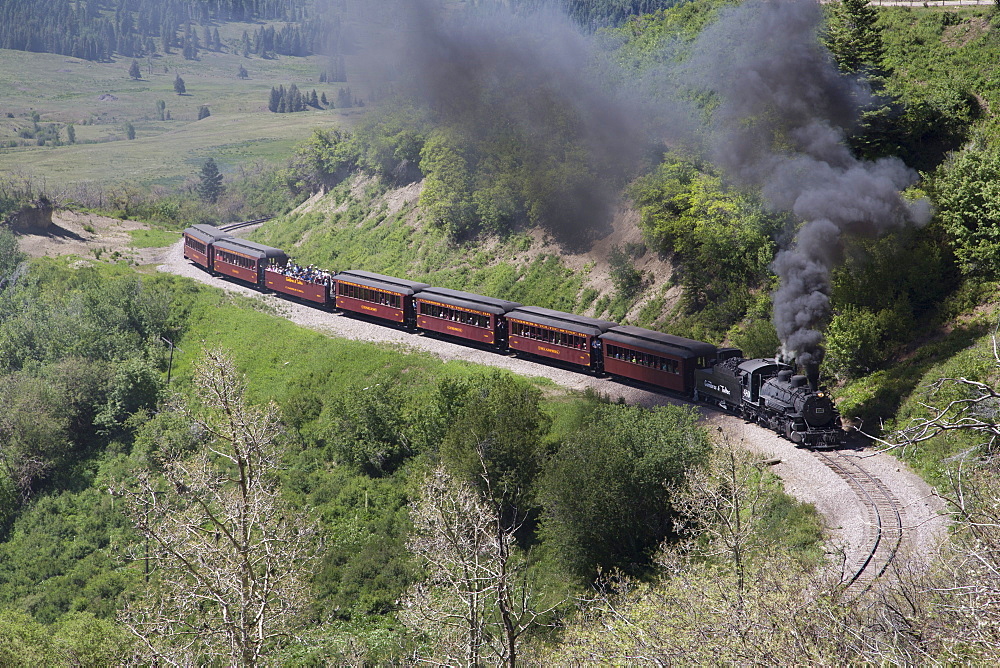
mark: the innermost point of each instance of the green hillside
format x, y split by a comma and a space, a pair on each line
167, 449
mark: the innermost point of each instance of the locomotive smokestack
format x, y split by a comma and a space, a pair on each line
812, 374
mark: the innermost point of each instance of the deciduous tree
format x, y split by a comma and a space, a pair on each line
229, 559
476, 602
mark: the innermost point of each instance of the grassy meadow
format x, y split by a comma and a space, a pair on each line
100, 98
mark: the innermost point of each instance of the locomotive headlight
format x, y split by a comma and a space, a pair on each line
820, 395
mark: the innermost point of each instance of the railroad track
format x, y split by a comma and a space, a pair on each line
885, 525
246, 223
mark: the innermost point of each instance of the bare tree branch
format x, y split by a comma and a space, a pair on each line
229, 560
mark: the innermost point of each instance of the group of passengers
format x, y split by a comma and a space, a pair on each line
310, 273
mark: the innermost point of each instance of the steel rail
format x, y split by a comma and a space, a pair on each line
882, 506
229, 227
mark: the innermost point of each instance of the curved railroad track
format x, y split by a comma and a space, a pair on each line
229, 227
884, 530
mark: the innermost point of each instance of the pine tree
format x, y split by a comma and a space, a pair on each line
179, 86
203, 112
314, 99
71, 134
129, 130
210, 185
324, 100
134, 70
242, 73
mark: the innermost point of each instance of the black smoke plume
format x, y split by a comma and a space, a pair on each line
501, 77
783, 112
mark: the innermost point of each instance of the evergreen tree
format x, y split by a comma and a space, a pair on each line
129, 130
134, 70
242, 73
203, 112
854, 36
274, 100
314, 99
71, 134
210, 185
161, 110
324, 101
179, 86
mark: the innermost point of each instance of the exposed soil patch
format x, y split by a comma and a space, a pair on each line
91, 236
957, 36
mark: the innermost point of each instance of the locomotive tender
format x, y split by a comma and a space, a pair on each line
765, 391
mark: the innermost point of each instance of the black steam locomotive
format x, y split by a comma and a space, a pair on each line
766, 391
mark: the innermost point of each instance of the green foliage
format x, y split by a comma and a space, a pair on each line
370, 426
25, 642
10, 255
756, 337
858, 340
966, 192
854, 36
210, 183
939, 83
604, 492
447, 194
881, 294
722, 241
494, 429
628, 280
323, 161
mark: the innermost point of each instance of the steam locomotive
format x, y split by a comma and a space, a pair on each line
761, 390
769, 393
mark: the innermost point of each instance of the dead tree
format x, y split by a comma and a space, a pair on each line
228, 561
476, 601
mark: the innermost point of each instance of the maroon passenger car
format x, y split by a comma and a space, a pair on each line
557, 335
377, 295
245, 260
198, 241
315, 291
463, 314
659, 359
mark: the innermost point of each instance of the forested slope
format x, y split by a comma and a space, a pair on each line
601, 532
